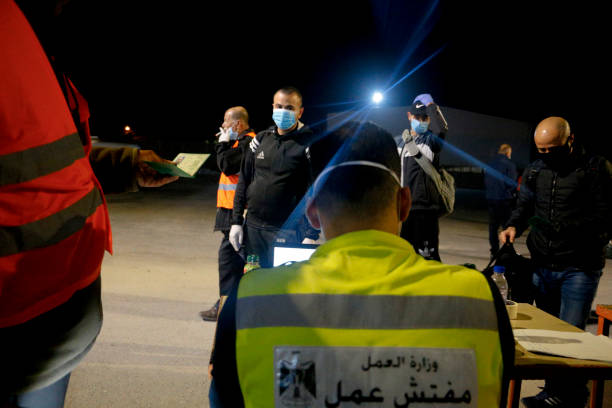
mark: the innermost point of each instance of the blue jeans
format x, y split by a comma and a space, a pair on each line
213, 397
51, 396
567, 294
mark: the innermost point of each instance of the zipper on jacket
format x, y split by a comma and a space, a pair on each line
550, 204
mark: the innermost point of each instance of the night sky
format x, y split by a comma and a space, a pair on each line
170, 69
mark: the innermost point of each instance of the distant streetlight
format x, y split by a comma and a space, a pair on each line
377, 97
127, 129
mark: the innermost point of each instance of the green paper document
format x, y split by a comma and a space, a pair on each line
187, 165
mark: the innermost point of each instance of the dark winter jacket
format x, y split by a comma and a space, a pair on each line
500, 179
228, 158
572, 209
423, 191
228, 161
274, 176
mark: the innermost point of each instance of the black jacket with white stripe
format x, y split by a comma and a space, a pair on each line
274, 176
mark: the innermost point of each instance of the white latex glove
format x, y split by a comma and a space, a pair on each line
410, 147
235, 236
309, 241
406, 135
224, 136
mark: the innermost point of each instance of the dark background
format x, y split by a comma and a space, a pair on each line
171, 69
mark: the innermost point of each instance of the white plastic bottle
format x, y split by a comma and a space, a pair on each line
500, 280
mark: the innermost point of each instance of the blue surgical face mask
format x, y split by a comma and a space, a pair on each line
233, 134
418, 126
284, 118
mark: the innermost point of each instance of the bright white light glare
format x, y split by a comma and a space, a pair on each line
377, 97
127, 128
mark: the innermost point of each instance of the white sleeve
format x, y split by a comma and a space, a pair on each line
426, 151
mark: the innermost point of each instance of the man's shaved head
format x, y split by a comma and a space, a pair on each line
551, 132
238, 113
291, 90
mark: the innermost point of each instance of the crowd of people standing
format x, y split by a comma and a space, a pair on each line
373, 298
565, 195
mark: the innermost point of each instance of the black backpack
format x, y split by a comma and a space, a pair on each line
519, 273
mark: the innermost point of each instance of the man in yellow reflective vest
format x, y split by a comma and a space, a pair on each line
366, 319
234, 135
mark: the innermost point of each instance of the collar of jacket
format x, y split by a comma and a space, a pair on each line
364, 238
419, 138
577, 159
298, 129
242, 134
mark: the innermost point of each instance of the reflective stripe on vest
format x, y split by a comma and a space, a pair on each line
53, 235
53, 220
48, 158
227, 185
361, 296
383, 312
49, 230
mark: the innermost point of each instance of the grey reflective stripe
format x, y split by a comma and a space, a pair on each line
227, 187
35, 162
365, 312
49, 230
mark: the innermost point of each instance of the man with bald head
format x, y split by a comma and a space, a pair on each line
234, 135
565, 197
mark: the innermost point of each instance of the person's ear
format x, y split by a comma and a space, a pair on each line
312, 214
403, 203
301, 112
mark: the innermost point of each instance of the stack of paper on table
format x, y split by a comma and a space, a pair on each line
580, 345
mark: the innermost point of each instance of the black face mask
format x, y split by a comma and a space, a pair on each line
557, 157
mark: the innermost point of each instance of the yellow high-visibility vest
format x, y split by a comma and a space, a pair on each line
367, 320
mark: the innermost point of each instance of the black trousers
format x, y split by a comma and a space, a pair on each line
231, 265
261, 242
499, 214
421, 229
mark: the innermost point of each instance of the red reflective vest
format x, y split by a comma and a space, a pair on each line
54, 224
227, 185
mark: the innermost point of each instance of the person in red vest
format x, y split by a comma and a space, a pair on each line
54, 224
235, 134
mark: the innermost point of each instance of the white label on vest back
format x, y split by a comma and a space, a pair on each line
374, 376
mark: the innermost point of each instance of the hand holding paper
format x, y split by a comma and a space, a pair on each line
184, 164
146, 175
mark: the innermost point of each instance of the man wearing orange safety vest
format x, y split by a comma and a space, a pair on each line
54, 225
234, 137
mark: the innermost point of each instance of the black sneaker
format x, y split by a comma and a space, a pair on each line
546, 400
210, 315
